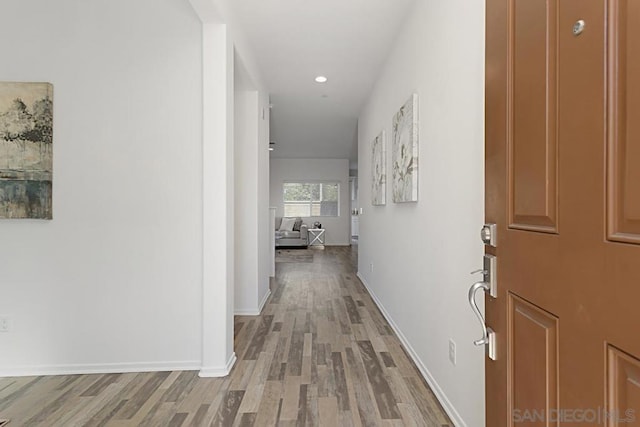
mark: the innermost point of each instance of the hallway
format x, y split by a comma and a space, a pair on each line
320, 354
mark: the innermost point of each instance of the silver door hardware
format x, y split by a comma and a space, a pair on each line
489, 272
578, 27
472, 302
488, 335
488, 234
489, 284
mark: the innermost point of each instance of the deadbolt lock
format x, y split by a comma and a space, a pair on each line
488, 234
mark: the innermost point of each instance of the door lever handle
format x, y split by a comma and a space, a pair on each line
488, 335
480, 270
472, 302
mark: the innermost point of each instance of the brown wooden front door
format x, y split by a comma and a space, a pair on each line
563, 186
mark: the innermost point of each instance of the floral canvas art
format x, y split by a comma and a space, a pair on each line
379, 171
26, 153
405, 152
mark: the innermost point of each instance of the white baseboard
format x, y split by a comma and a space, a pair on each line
219, 372
264, 300
118, 368
245, 312
252, 312
108, 368
442, 397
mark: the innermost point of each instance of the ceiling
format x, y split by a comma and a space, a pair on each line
294, 41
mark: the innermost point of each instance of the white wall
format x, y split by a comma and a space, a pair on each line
114, 282
355, 205
300, 170
251, 164
422, 252
265, 227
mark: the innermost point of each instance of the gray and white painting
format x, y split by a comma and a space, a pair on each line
379, 170
26, 150
405, 152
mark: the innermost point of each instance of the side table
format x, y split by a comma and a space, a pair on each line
316, 236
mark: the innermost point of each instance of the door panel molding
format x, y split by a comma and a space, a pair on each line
532, 360
623, 387
532, 146
623, 136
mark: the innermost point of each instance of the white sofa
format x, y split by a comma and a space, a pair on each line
298, 237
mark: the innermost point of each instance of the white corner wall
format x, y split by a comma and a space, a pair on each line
300, 170
218, 356
114, 282
422, 252
223, 43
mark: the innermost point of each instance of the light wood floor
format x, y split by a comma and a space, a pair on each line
320, 354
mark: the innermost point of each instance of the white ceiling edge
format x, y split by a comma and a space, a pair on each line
294, 44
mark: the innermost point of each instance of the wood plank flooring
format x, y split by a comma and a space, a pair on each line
320, 354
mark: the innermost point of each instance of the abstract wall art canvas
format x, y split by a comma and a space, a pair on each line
26, 150
405, 152
379, 170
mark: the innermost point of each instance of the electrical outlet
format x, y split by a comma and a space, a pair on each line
452, 352
371, 267
5, 324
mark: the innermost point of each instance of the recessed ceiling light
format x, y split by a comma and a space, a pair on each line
321, 79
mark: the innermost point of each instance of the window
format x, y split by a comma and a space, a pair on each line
311, 199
